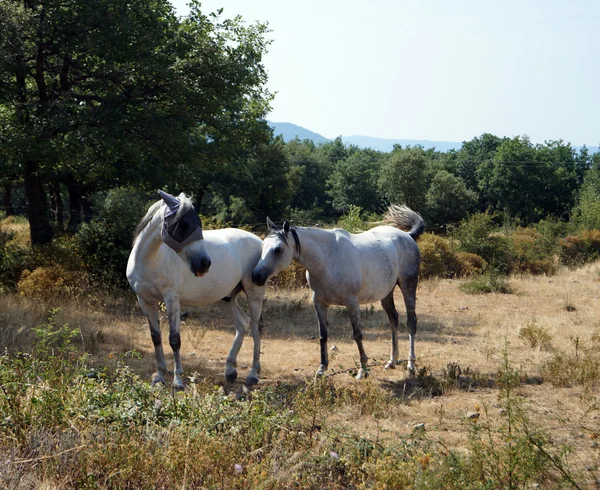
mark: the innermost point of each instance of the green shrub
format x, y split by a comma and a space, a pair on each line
436, 255
466, 264
579, 249
352, 220
490, 282
477, 235
106, 242
13, 260
529, 253
291, 278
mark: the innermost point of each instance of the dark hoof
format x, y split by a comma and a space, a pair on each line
231, 376
251, 381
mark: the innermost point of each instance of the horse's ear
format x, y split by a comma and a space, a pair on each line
169, 200
270, 224
286, 226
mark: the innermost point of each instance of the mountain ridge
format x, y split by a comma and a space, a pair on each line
289, 131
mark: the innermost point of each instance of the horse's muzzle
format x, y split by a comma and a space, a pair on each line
258, 277
200, 265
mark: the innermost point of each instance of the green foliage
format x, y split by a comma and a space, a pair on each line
353, 181
404, 178
448, 200
476, 235
13, 260
105, 243
436, 256
490, 282
529, 253
352, 220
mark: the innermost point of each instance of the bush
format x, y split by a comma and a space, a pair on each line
491, 282
352, 220
579, 249
476, 235
291, 278
536, 336
530, 254
466, 264
436, 255
106, 242
49, 282
13, 260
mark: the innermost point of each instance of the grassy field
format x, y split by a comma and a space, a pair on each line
544, 338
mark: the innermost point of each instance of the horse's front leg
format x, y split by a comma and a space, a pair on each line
321, 309
353, 308
151, 312
174, 315
255, 303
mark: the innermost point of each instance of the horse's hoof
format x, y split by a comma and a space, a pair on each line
361, 374
178, 384
251, 380
390, 365
231, 376
410, 372
157, 379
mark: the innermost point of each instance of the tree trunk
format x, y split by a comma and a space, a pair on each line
88, 212
37, 209
56, 203
74, 203
7, 201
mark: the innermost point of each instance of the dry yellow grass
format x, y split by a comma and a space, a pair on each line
472, 330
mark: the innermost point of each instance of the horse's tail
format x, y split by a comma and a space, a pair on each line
406, 219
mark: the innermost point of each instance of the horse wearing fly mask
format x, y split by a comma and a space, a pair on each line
175, 262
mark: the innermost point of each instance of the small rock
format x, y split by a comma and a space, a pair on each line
463, 308
473, 415
419, 427
298, 369
334, 455
334, 348
502, 411
238, 468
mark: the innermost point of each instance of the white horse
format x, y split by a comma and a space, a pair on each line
171, 263
352, 269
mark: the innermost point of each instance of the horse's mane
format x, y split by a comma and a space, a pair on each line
184, 207
278, 232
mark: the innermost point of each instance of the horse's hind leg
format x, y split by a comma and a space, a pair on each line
390, 308
353, 308
409, 291
234, 313
151, 312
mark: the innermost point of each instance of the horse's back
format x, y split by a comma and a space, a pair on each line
379, 258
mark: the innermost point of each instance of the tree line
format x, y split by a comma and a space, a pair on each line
104, 94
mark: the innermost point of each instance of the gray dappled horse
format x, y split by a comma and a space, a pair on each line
171, 263
349, 269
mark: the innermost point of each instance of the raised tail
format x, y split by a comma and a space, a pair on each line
406, 219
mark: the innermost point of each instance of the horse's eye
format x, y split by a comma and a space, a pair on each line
278, 250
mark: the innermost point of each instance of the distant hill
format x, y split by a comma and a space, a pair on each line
386, 145
290, 131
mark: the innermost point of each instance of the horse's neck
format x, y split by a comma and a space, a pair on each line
314, 245
149, 241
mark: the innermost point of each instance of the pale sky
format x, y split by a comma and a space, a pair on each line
432, 69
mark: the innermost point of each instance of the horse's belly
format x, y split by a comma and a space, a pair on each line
374, 293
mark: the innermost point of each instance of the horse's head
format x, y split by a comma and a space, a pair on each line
182, 231
277, 253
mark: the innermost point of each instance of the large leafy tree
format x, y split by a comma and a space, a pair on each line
110, 92
354, 181
448, 200
530, 182
404, 177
